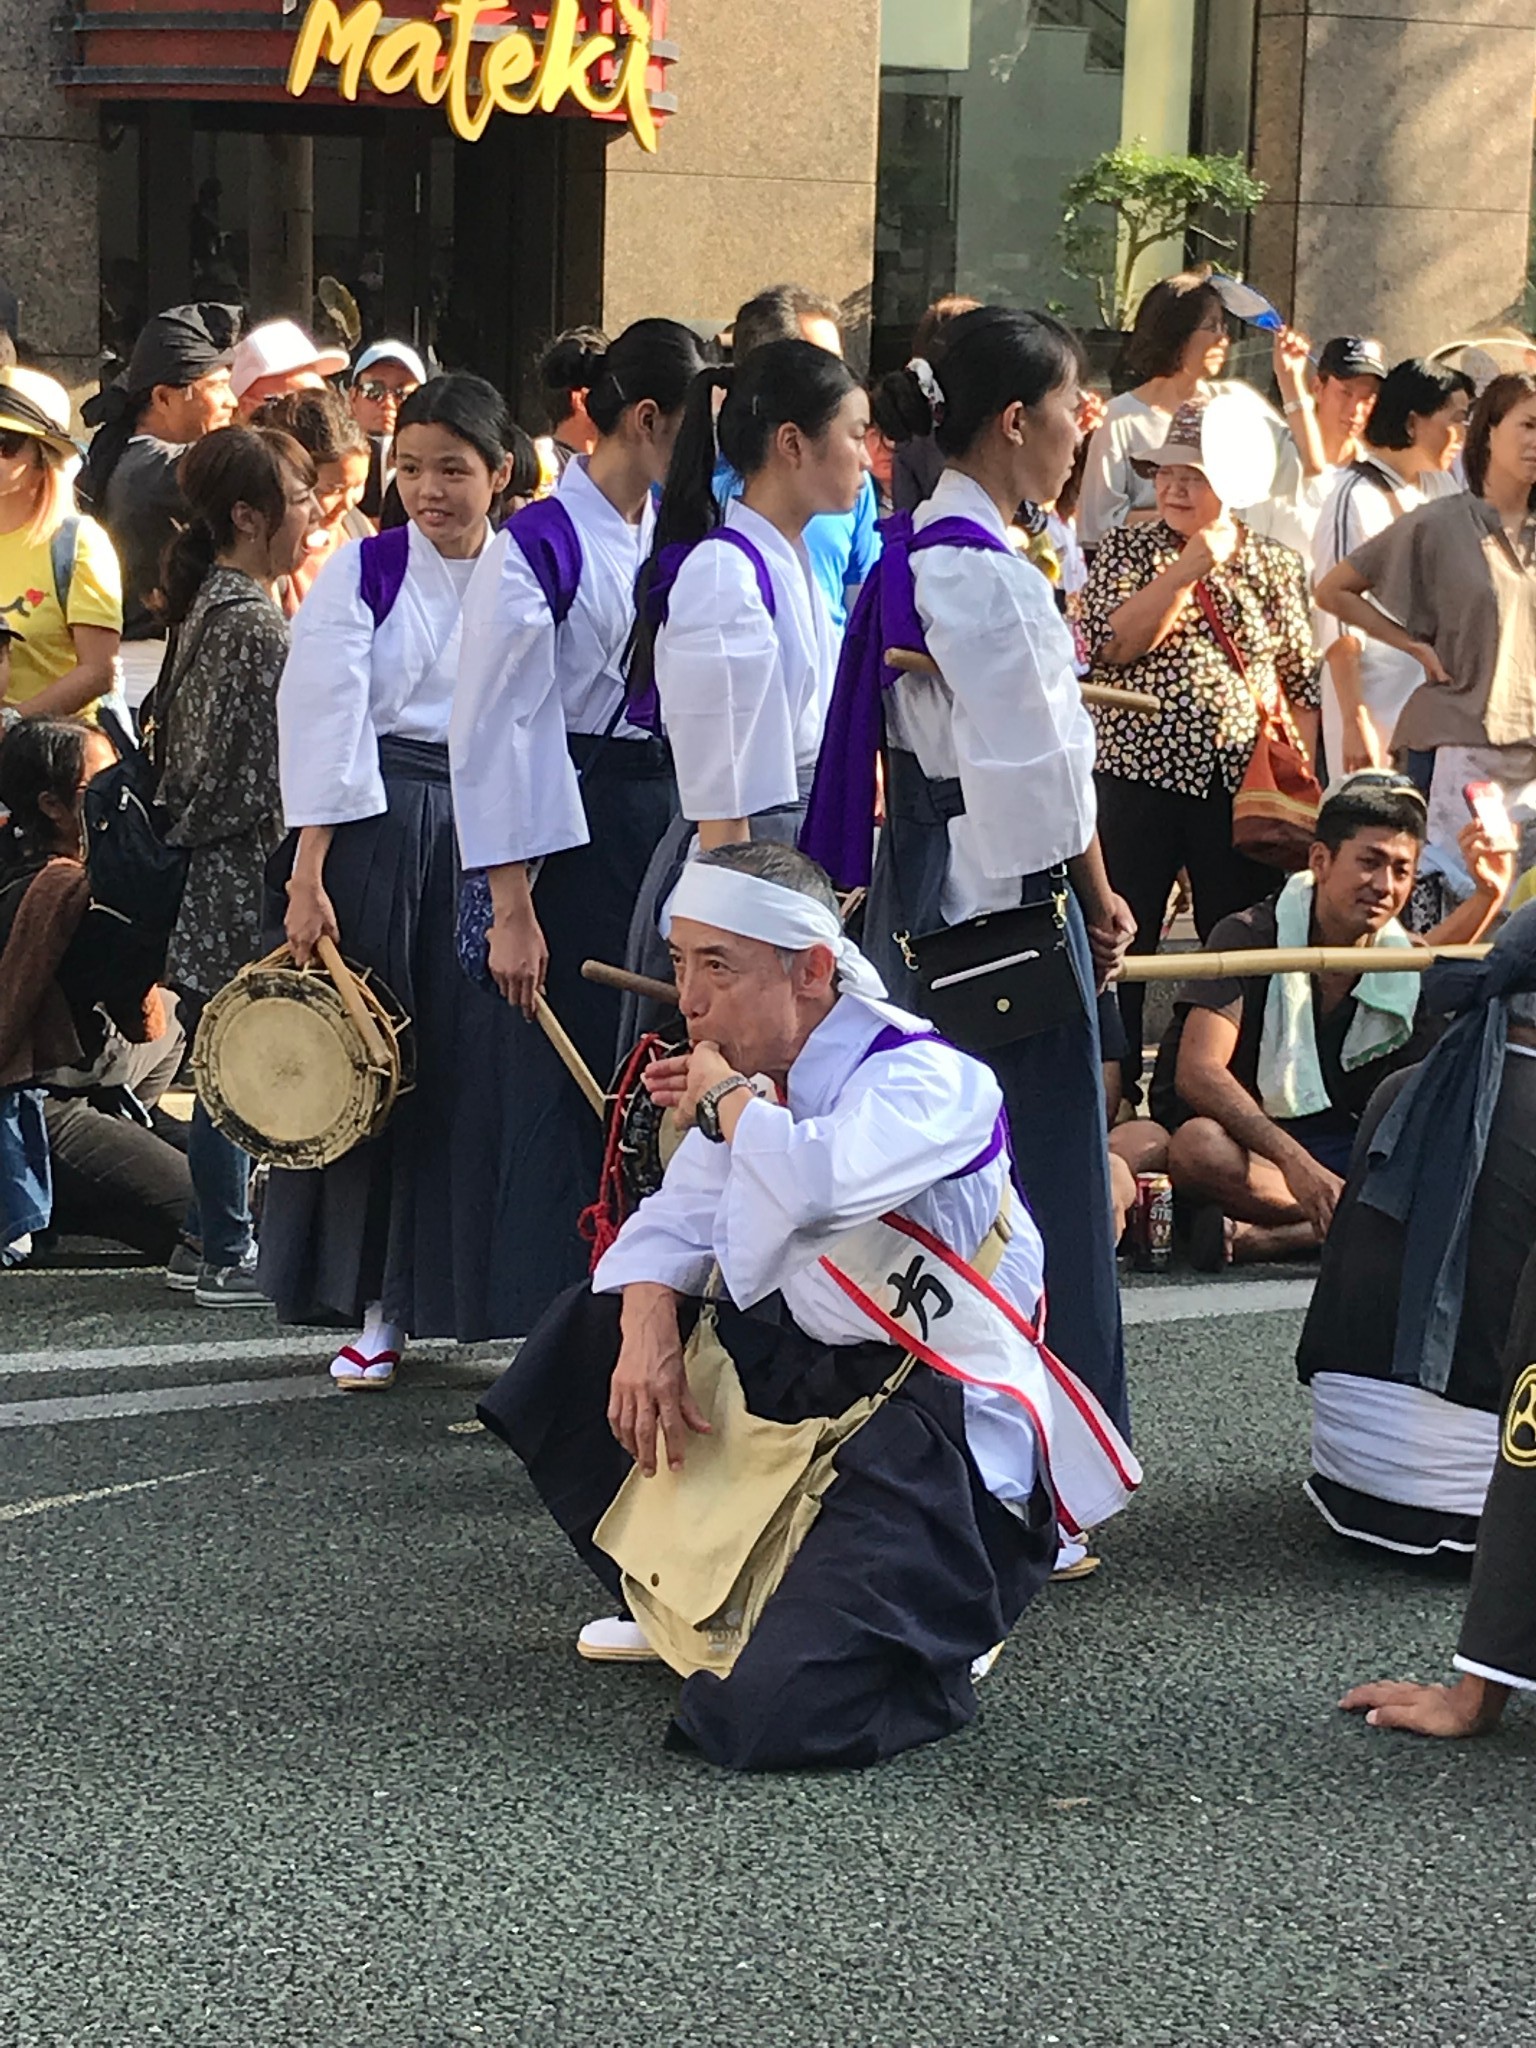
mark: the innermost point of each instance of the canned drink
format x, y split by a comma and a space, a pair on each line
1152, 1223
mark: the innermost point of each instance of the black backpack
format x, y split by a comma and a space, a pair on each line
136, 878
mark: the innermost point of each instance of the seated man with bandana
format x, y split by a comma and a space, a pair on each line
835, 1259
1264, 1079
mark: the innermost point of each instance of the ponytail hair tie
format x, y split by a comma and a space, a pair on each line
922, 371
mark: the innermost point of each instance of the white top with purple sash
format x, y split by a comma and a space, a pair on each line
350, 680
744, 695
524, 683
1007, 717
912, 1127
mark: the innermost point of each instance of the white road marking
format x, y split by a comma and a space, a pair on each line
163, 1401
15, 1511
295, 1349
1201, 1300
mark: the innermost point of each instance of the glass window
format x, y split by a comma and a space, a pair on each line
988, 108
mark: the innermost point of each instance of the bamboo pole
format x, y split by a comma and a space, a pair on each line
914, 664
1143, 967
1245, 965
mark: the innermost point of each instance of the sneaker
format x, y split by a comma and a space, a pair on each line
982, 1665
614, 1640
182, 1269
229, 1286
17, 1252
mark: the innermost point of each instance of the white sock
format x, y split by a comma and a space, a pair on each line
379, 1335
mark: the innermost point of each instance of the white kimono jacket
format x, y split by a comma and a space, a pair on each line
1007, 717
854, 1141
346, 685
523, 686
744, 696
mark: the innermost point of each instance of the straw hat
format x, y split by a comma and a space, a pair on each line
36, 406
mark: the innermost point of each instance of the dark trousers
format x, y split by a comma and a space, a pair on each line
112, 1178
1149, 834
1499, 1628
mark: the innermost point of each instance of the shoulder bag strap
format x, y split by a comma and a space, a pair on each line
173, 672
1278, 714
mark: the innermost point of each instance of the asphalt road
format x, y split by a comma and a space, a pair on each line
298, 1750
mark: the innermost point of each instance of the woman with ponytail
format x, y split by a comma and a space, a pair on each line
561, 792
212, 717
734, 630
413, 1233
989, 793
568, 369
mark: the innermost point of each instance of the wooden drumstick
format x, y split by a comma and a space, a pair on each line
347, 988
575, 1065
911, 663
632, 984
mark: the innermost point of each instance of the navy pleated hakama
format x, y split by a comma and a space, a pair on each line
911, 1570
1052, 1083
421, 1217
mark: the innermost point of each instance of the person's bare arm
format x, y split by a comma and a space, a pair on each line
715, 832
649, 1388
90, 678
1291, 353
1493, 871
518, 956
1362, 748
1111, 927
1343, 592
311, 914
1206, 1085
1470, 1706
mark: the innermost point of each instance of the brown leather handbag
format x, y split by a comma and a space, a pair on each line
1275, 807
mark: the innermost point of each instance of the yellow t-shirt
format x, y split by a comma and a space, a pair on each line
30, 603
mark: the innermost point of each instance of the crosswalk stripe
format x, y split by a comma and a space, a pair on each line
164, 1400
296, 1349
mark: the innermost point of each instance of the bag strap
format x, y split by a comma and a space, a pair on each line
1278, 715
62, 549
174, 668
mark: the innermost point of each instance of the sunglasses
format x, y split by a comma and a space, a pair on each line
12, 443
379, 394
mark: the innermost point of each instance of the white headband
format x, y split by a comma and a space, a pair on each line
755, 909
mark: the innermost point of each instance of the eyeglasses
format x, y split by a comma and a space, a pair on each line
379, 394
12, 443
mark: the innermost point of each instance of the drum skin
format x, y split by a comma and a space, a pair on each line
284, 1071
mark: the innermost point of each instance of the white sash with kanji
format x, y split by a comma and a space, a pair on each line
926, 1298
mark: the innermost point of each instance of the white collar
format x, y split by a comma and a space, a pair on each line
835, 1049
961, 497
593, 504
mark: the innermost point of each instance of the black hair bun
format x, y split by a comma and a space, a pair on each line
899, 409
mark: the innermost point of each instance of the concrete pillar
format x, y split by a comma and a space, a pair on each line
49, 249
282, 227
1395, 136
766, 173
1154, 103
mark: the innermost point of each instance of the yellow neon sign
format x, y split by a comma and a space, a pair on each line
516, 74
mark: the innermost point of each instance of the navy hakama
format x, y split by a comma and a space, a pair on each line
911, 1570
421, 1217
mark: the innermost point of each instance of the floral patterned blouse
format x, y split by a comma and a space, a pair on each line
216, 749
1209, 721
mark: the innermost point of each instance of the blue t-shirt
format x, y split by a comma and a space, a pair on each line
843, 546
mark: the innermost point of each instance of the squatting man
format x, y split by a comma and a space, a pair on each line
863, 1380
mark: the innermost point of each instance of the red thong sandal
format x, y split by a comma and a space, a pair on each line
352, 1369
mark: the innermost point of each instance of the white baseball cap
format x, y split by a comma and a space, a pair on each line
390, 352
276, 349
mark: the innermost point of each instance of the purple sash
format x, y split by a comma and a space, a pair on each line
839, 824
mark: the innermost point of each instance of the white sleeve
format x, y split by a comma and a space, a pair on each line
719, 672
1024, 742
328, 751
1105, 496
670, 1237
515, 793
904, 1122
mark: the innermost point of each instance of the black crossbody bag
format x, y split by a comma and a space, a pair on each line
1000, 977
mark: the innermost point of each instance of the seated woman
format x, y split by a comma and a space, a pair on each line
1404, 1344
61, 1154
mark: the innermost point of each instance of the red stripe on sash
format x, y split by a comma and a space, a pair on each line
931, 1357
1060, 1373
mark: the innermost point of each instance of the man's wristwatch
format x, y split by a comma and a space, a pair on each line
707, 1116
